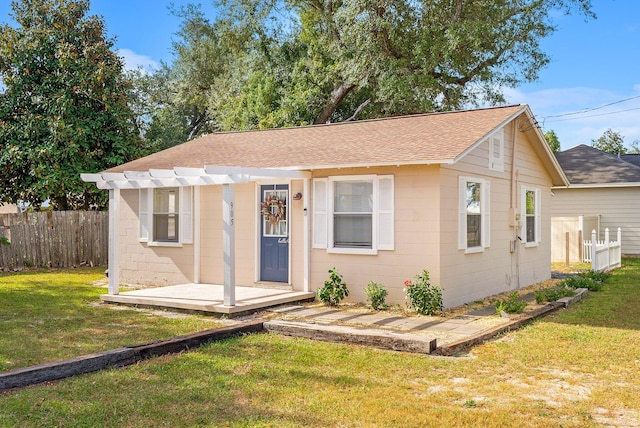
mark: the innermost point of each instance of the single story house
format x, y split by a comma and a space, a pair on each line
464, 194
604, 193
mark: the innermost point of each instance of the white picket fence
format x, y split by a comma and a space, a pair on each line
604, 255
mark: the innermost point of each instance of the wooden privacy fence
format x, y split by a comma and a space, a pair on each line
53, 239
603, 255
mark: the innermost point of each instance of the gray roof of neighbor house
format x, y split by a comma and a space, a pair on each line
417, 139
633, 158
586, 165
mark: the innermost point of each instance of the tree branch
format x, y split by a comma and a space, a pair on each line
337, 96
358, 110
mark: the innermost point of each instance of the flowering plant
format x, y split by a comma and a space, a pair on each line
424, 298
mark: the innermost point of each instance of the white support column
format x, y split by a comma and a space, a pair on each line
114, 241
229, 244
306, 259
196, 234
594, 264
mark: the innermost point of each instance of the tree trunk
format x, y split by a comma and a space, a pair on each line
337, 96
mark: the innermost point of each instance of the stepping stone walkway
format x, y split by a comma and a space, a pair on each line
443, 330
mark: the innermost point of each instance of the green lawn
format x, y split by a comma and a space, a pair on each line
50, 316
577, 368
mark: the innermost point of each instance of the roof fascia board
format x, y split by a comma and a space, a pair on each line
375, 165
547, 149
256, 172
488, 134
596, 185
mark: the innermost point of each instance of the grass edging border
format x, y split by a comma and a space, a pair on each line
453, 348
120, 357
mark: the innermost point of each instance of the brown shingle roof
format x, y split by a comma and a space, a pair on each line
587, 165
426, 138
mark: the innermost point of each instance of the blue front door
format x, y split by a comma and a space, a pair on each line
274, 233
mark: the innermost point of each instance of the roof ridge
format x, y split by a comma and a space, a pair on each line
377, 119
612, 156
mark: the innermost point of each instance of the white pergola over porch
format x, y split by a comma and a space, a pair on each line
223, 176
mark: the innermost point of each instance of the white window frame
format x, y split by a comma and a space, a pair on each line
537, 217
485, 213
185, 217
496, 144
383, 222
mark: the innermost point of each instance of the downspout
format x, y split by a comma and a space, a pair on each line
513, 222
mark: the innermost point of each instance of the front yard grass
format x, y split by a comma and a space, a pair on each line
579, 367
53, 315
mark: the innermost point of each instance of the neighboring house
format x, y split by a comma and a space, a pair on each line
465, 195
604, 192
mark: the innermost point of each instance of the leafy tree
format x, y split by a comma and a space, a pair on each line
290, 62
610, 142
552, 140
64, 107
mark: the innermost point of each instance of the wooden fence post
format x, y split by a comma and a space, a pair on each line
580, 247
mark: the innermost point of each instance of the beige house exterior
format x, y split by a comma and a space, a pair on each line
8, 209
465, 195
604, 194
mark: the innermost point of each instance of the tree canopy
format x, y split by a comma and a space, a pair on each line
63, 109
610, 142
273, 63
552, 140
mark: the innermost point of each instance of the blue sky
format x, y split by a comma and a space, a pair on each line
594, 63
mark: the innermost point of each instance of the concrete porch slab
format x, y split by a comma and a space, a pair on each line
208, 298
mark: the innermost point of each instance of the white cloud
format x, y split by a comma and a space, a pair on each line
133, 60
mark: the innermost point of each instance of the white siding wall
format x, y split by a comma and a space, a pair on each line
617, 207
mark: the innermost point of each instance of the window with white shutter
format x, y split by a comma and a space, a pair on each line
166, 215
354, 214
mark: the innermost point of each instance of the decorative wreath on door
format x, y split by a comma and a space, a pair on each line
273, 216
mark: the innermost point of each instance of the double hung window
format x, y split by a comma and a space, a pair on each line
473, 214
353, 214
530, 216
165, 215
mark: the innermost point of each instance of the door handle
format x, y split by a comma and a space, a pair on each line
283, 241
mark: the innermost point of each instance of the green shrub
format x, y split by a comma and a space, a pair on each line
334, 290
424, 298
595, 275
511, 304
376, 295
4, 240
583, 282
552, 294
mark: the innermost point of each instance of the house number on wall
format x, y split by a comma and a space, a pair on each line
231, 218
